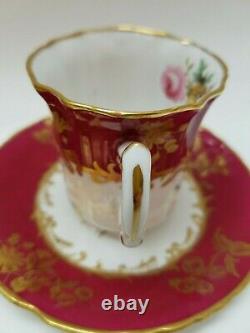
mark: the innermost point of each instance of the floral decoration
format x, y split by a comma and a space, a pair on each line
191, 82
174, 83
199, 273
31, 269
205, 164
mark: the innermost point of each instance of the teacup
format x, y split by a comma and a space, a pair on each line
135, 100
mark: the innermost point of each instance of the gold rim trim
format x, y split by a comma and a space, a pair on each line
52, 321
116, 113
11, 296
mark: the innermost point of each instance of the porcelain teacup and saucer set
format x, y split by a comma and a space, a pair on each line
121, 194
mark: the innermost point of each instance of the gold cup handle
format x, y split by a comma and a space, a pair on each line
136, 171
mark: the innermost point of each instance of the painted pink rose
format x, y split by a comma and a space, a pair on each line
174, 83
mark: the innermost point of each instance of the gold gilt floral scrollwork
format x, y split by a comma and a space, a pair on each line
202, 163
207, 165
159, 135
100, 175
153, 135
60, 124
31, 269
199, 273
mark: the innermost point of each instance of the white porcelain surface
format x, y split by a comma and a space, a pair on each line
99, 204
90, 248
119, 70
134, 155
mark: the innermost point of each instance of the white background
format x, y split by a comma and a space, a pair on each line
221, 25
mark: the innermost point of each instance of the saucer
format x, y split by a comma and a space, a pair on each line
57, 266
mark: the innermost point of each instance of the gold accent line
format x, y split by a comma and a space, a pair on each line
39, 216
137, 198
119, 113
86, 150
11, 296
62, 241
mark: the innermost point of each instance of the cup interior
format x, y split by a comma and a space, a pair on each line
125, 70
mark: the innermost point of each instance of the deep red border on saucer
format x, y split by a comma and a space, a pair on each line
27, 156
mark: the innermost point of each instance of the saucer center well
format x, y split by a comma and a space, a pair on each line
94, 250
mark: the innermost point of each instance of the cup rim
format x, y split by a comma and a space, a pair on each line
40, 87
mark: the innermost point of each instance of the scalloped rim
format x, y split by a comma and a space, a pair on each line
120, 113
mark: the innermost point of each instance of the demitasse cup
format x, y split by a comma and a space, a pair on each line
126, 103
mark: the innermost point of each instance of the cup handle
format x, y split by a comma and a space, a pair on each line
136, 172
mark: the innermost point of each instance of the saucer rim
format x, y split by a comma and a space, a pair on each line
52, 321
69, 327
